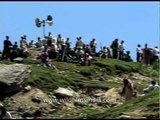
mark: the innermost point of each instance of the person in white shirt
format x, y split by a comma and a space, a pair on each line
121, 50
79, 43
104, 53
155, 53
139, 53
153, 85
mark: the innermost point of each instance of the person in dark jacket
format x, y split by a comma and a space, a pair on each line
114, 47
7, 47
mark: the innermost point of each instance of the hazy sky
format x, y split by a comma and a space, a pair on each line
133, 22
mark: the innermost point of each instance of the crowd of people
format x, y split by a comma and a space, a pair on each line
147, 55
60, 48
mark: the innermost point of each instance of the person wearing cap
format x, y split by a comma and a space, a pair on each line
4, 114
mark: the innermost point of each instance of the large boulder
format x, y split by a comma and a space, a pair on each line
12, 76
25, 104
18, 59
65, 92
111, 97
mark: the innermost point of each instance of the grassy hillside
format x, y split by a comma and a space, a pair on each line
102, 74
150, 101
99, 75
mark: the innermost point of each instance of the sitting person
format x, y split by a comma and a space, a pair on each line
38, 43
53, 51
85, 60
127, 57
153, 85
104, 53
44, 59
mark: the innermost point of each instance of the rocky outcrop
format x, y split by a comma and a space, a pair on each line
18, 60
110, 97
12, 76
25, 104
65, 92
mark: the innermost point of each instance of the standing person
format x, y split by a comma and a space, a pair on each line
25, 41
14, 52
4, 113
7, 47
139, 53
121, 50
64, 52
147, 55
114, 47
155, 54
59, 39
93, 45
109, 53
128, 88
68, 43
23, 44
79, 43
49, 39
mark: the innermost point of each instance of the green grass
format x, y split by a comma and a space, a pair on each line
136, 103
47, 79
117, 66
31, 61
7, 62
85, 77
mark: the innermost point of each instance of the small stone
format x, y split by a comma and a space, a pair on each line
36, 99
